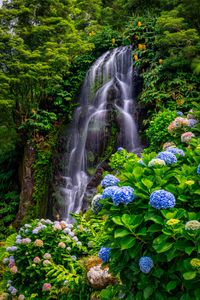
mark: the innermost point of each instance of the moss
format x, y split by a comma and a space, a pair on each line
42, 175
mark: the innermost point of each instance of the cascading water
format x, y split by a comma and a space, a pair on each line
107, 99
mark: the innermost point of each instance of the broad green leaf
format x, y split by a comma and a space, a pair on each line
168, 215
117, 220
148, 291
127, 242
148, 183
171, 285
189, 275
156, 219
163, 247
126, 219
121, 232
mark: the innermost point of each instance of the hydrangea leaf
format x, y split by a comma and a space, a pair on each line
189, 275
148, 183
148, 291
171, 285
117, 220
163, 247
121, 233
127, 242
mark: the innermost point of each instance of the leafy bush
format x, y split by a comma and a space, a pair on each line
46, 259
157, 131
154, 238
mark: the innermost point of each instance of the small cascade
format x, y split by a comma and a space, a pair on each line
106, 100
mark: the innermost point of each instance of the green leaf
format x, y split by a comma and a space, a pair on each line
121, 232
126, 219
189, 275
156, 219
148, 183
168, 215
117, 220
171, 285
148, 291
127, 242
163, 247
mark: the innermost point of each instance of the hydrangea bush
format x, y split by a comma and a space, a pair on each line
153, 240
44, 261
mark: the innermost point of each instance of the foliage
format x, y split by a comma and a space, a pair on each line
157, 131
137, 229
51, 252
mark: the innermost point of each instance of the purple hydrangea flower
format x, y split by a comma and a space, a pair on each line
104, 254
35, 231
179, 113
192, 122
176, 151
198, 169
11, 249
109, 180
168, 157
74, 257
71, 233
120, 149
162, 199
146, 264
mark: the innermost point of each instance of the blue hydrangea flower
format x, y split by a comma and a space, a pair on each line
162, 199
168, 157
120, 149
198, 169
11, 249
104, 254
96, 205
109, 192
192, 122
176, 151
109, 180
179, 113
141, 162
123, 195
146, 264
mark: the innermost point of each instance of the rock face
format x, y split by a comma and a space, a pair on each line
27, 183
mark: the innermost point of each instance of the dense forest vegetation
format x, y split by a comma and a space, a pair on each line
46, 47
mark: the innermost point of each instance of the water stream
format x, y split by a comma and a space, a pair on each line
106, 100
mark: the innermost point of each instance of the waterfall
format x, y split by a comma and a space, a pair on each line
106, 100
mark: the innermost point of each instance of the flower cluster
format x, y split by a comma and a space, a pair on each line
96, 205
195, 262
38, 243
179, 122
179, 113
156, 162
192, 122
168, 144
99, 277
145, 264
186, 137
104, 254
172, 222
119, 194
109, 180
46, 287
192, 225
162, 199
175, 151
120, 149
198, 169
168, 157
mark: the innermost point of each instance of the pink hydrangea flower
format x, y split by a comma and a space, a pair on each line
21, 297
36, 260
168, 144
46, 262
14, 269
11, 264
62, 245
38, 243
63, 224
47, 256
46, 287
57, 227
186, 137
